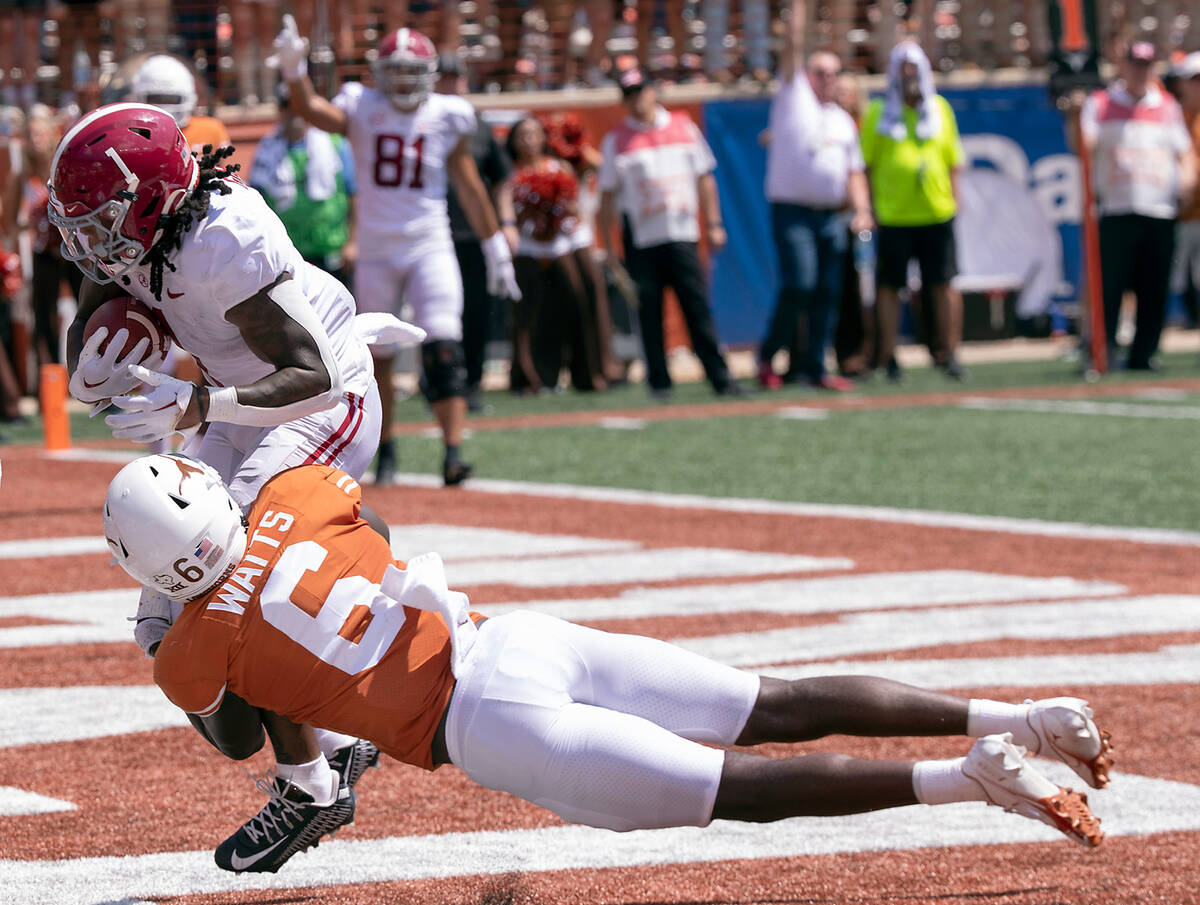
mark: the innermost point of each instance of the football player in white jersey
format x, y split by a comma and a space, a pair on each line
407, 142
287, 372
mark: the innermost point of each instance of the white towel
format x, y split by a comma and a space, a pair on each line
929, 116
422, 585
274, 174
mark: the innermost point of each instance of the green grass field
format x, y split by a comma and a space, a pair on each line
1117, 469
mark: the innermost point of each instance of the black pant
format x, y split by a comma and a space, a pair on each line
674, 264
477, 307
49, 270
1135, 254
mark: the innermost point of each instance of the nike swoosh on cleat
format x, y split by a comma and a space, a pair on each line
239, 863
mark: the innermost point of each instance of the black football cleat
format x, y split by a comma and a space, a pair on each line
354, 760
287, 824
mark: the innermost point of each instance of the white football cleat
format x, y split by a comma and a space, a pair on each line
1009, 781
1066, 731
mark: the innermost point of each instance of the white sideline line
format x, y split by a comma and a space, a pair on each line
925, 518
1132, 806
841, 593
1079, 407
50, 715
865, 633
19, 803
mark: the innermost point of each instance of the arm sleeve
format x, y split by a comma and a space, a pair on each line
854, 154
347, 158
702, 157
606, 180
238, 262
868, 135
1089, 122
954, 148
190, 670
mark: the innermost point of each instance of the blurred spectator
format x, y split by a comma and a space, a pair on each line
170, 85
914, 156
494, 168
555, 309
25, 201
20, 48
1143, 166
307, 178
679, 64
756, 20
78, 48
196, 22
657, 172
568, 140
814, 170
854, 338
254, 25
1185, 278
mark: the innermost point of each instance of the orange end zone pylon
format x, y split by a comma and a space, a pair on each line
56, 425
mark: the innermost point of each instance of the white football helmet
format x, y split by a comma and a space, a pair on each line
406, 68
168, 84
173, 526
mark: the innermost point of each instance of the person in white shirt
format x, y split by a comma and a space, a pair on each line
657, 171
814, 171
1143, 167
408, 143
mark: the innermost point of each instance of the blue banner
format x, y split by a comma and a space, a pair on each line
1019, 218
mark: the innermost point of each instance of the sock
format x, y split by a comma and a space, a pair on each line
314, 777
943, 782
986, 717
332, 742
451, 453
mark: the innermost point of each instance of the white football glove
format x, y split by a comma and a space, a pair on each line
153, 416
379, 327
156, 614
291, 51
97, 377
501, 276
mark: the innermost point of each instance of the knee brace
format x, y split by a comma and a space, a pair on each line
443, 370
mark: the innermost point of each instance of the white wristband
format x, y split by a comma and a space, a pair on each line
222, 404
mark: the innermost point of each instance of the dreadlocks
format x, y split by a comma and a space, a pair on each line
175, 225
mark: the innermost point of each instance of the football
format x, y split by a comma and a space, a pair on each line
142, 323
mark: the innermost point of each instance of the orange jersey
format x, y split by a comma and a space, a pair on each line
300, 627
205, 130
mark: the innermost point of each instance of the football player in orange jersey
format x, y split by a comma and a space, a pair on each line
308, 615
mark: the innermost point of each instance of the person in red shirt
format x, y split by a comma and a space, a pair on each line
302, 610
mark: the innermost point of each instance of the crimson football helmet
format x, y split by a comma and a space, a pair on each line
118, 170
406, 68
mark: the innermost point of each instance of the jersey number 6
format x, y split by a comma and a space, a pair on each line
324, 635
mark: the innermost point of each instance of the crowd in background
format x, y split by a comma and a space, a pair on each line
844, 257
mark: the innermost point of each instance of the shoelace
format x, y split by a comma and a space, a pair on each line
278, 810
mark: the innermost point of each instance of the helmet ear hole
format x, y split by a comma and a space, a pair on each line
178, 501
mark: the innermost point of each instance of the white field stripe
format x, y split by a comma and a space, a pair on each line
51, 546
91, 454
878, 591
1079, 407
623, 424
35, 716
88, 617
69, 714
1172, 665
800, 413
864, 633
925, 518
19, 803
636, 565
1133, 806
455, 542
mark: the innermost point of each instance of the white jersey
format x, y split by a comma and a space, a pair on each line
400, 164
236, 250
